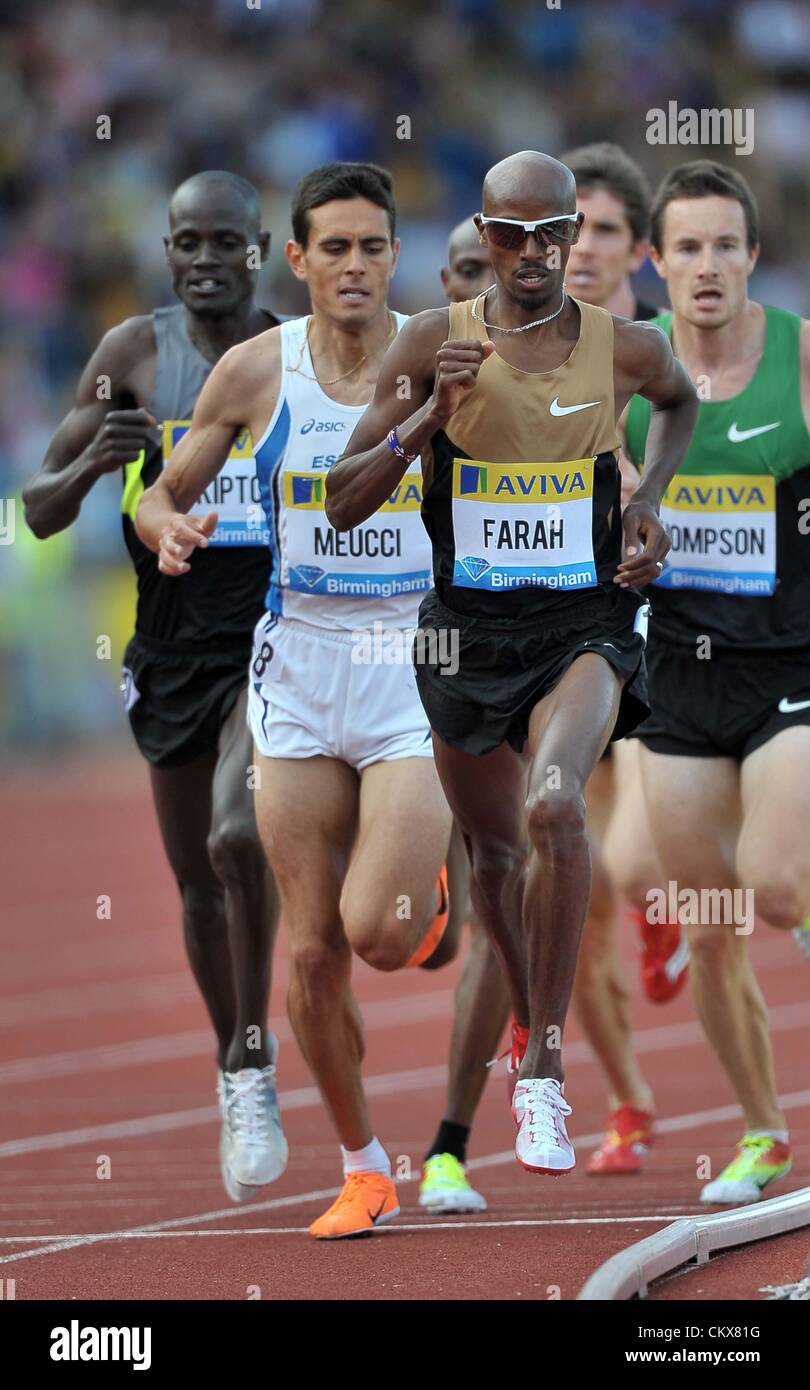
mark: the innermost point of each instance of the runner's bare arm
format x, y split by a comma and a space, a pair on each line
224, 407
420, 370
644, 363
96, 436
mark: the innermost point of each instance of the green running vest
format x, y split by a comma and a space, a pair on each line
738, 510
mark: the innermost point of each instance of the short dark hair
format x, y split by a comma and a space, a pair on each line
704, 178
603, 165
243, 189
341, 180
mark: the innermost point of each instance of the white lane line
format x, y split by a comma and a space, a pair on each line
98, 997
381, 1013
793, 1100
387, 1083
273, 1204
170, 1047
426, 1225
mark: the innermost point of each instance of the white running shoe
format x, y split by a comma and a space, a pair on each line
801, 935
252, 1150
539, 1109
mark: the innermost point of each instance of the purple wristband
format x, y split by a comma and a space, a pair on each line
393, 443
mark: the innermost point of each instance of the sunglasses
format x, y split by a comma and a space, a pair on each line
508, 234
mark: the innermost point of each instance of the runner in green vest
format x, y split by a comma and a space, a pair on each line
727, 745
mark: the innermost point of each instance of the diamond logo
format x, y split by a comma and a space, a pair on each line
475, 566
309, 573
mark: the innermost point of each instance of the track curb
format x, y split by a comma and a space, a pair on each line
693, 1238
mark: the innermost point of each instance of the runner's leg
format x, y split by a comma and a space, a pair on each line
251, 899
306, 811
772, 855
487, 797
183, 798
389, 895
568, 732
694, 818
601, 999
458, 887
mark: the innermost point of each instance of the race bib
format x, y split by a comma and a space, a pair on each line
723, 533
523, 523
234, 494
386, 555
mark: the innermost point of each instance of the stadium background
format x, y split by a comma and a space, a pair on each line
269, 93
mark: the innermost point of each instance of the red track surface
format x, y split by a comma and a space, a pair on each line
105, 1051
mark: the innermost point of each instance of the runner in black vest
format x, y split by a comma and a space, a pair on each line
514, 431
726, 748
186, 667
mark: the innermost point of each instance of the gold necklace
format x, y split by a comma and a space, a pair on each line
306, 345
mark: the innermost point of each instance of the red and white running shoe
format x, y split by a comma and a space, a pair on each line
625, 1145
664, 958
514, 1054
542, 1145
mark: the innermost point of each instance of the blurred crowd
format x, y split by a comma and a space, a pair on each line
270, 88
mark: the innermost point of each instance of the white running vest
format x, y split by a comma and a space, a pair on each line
378, 571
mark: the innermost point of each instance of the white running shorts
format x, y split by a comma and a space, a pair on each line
319, 691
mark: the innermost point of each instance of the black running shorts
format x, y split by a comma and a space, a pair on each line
178, 696
505, 666
723, 706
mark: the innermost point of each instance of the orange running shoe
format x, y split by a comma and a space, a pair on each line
664, 958
366, 1200
624, 1147
438, 926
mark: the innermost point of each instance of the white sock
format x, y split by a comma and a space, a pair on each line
371, 1159
780, 1134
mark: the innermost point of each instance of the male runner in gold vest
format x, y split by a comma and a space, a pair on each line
518, 439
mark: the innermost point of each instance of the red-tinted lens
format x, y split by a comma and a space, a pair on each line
560, 231
505, 234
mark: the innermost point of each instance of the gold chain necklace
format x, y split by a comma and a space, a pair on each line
306, 345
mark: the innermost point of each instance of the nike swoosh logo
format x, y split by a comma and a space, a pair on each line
372, 1216
786, 707
736, 436
557, 409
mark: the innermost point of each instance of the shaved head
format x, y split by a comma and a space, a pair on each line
468, 270
529, 188
214, 221
530, 184
464, 237
235, 191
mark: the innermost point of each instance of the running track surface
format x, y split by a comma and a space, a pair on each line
106, 1064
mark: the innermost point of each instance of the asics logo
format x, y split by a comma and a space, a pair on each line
323, 427
736, 436
557, 409
787, 706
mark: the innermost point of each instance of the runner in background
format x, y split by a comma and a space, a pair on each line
185, 669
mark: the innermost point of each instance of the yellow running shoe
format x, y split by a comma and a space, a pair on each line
759, 1160
366, 1200
445, 1187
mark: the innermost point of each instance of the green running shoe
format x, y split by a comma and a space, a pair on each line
759, 1160
445, 1187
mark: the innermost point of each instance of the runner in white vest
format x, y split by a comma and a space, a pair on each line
348, 802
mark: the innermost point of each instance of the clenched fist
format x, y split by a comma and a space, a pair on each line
457, 366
